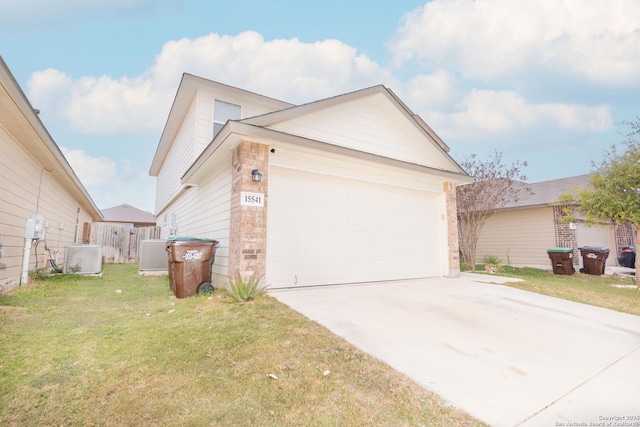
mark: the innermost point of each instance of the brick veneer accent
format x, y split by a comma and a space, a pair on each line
625, 235
566, 237
248, 234
452, 227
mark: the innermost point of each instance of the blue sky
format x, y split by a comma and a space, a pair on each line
550, 83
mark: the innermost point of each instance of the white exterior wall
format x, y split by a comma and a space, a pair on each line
195, 134
178, 160
205, 211
367, 125
26, 189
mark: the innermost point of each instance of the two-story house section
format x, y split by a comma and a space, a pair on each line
349, 189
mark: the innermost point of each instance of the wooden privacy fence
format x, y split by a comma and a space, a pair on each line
120, 244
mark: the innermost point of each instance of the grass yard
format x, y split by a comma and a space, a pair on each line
615, 293
119, 350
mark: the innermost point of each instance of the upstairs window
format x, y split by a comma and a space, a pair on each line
223, 111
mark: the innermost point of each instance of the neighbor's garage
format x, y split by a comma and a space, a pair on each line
324, 229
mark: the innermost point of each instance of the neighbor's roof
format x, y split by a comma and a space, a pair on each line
547, 192
126, 213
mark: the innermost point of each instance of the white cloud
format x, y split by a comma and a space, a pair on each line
428, 91
92, 171
109, 183
492, 39
296, 72
285, 69
288, 69
486, 113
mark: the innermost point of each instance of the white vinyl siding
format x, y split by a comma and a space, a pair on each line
520, 238
205, 211
369, 125
27, 189
178, 160
195, 134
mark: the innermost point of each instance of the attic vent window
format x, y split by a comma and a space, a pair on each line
223, 111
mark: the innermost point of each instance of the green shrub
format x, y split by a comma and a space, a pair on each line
492, 263
242, 290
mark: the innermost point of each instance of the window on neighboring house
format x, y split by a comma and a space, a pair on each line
223, 111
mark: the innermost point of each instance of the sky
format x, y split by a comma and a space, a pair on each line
550, 83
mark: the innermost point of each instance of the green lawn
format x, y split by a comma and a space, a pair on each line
120, 350
612, 292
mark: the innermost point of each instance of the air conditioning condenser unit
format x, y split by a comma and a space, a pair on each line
153, 257
82, 259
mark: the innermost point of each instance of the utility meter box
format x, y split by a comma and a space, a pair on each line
35, 227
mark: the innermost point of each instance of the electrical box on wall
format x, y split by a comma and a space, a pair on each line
34, 228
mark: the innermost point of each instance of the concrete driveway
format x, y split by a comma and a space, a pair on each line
506, 356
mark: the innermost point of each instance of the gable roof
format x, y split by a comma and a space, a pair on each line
21, 121
126, 213
270, 119
547, 192
270, 127
189, 85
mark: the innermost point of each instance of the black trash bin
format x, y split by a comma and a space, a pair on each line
562, 260
190, 261
594, 259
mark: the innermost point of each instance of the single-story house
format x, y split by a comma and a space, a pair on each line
128, 216
353, 188
40, 193
526, 229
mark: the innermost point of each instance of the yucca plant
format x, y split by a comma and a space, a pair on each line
492, 263
242, 290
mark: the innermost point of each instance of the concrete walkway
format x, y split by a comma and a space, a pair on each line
506, 356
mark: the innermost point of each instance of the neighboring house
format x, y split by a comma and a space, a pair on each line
36, 179
353, 188
128, 216
522, 234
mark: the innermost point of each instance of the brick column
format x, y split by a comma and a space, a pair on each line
452, 229
566, 235
248, 234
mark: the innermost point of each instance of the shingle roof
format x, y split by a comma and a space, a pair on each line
126, 213
547, 192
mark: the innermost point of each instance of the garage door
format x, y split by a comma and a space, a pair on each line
597, 236
330, 230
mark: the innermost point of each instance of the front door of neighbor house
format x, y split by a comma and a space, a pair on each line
330, 230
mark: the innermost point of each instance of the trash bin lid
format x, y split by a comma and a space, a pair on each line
594, 249
561, 250
188, 239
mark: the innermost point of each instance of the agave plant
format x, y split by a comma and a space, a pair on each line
492, 263
242, 290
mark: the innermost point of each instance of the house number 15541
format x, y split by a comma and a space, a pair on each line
251, 199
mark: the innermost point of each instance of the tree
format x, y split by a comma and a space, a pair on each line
494, 185
614, 194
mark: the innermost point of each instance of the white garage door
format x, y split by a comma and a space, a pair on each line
597, 236
329, 230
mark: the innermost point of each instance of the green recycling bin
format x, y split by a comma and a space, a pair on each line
562, 260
